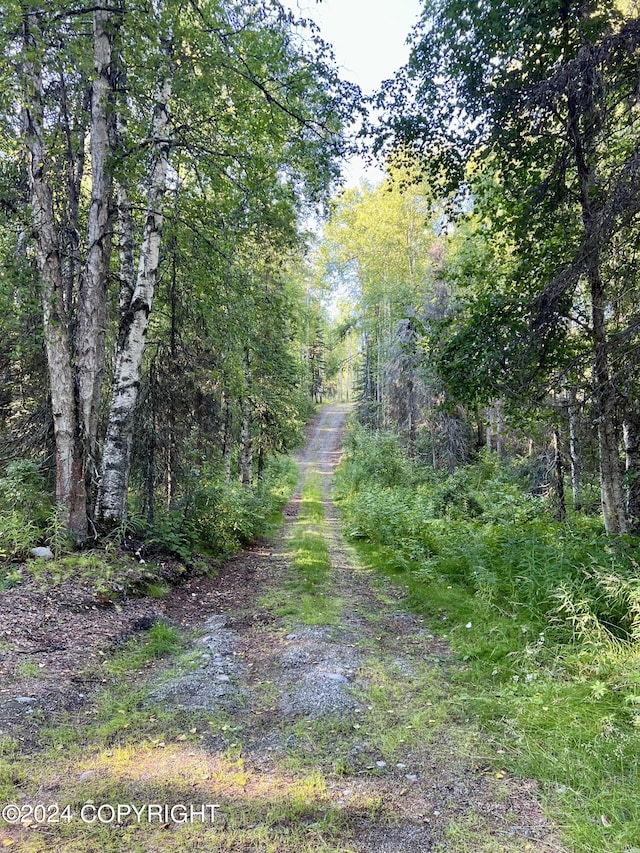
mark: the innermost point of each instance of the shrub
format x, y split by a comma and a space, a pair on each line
479, 528
217, 517
25, 507
374, 457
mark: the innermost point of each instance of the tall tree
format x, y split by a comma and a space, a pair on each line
186, 99
536, 92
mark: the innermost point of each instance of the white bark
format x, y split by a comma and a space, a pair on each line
488, 432
92, 301
574, 450
70, 488
116, 459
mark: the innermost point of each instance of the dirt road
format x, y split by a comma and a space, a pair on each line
333, 732
360, 701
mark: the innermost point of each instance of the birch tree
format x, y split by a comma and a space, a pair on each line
244, 102
135, 312
74, 334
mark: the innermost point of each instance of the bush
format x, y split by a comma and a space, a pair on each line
373, 457
217, 517
479, 528
25, 508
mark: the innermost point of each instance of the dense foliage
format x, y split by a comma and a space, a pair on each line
156, 163
545, 617
528, 111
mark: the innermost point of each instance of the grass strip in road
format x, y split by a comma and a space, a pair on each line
306, 596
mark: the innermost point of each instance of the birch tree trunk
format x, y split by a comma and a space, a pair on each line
116, 457
92, 298
70, 486
574, 450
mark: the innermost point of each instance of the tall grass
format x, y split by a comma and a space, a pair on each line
545, 618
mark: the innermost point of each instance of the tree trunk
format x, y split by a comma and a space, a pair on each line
227, 445
613, 505
75, 162
488, 432
411, 362
262, 454
246, 440
92, 298
246, 449
70, 486
581, 130
116, 459
631, 430
561, 505
574, 450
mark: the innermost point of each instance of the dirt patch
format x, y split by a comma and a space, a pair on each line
53, 637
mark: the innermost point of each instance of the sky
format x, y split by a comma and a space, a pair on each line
368, 38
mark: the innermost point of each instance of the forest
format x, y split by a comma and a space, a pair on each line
157, 325
185, 281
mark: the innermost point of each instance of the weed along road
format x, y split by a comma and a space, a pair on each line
290, 704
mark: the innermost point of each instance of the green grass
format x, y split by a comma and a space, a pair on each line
306, 596
161, 640
543, 619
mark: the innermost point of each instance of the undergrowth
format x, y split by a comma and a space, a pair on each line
25, 509
545, 616
213, 520
215, 517
211, 516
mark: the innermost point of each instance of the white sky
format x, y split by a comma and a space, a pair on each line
368, 38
